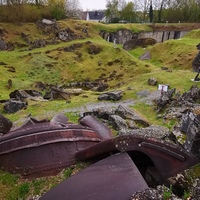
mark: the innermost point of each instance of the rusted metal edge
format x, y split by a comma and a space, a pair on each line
169, 159
115, 177
47, 137
104, 147
91, 122
41, 127
162, 149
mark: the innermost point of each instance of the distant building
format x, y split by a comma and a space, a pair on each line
96, 16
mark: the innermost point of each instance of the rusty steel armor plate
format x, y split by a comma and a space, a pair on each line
44, 148
168, 159
115, 177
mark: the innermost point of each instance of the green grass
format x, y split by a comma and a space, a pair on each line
14, 187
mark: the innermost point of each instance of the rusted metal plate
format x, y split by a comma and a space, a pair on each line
44, 148
90, 121
115, 177
168, 159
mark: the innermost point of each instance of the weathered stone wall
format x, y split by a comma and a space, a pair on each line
123, 36
161, 36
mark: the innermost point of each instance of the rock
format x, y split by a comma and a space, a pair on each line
193, 95
25, 37
48, 22
164, 99
145, 56
67, 35
113, 95
87, 85
93, 49
152, 82
164, 68
72, 47
190, 125
155, 194
2, 63
6, 46
25, 94
40, 85
196, 61
143, 93
11, 69
2, 32
142, 42
56, 93
48, 26
117, 122
101, 112
3, 45
158, 132
13, 106
75, 91
37, 44
179, 184
196, 190
5, 124
127, 113
9, 84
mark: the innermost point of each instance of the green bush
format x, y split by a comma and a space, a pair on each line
58, 12
23, 13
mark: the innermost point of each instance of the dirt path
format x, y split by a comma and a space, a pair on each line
147, 99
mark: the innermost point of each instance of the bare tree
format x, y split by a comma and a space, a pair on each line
143, 8
121, 4
72, 8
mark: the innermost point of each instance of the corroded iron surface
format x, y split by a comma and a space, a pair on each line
90, 121
115, 177
44, 148
168, 159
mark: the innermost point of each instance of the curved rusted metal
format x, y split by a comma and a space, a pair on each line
90, 121
115, 177
44, 148
169, 159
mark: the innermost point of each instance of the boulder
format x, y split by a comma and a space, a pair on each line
3, 45
113, 95
37, 44
13, 106
67, 35
6, 45
25, 94
129, 114
193, 95
143, 42
117, 122
48, 26
152, 82
5, 124
73, 47
48, 22
145, 56
165, 98
56, 93
190, 125
93, 49
196, 61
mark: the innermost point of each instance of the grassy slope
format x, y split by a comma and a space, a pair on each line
32, 66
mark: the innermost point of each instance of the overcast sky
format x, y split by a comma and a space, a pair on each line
93, 4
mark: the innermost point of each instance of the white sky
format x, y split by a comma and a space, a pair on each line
92, 4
